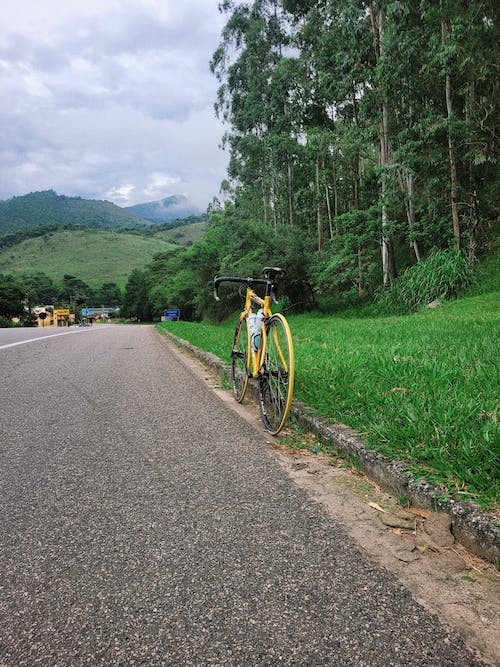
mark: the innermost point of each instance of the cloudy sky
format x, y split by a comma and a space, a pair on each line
110, 99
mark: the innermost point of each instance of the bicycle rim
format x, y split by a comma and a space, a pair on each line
239, 360
276, 380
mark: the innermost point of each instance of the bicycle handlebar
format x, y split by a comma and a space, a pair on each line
269, 281
250, 282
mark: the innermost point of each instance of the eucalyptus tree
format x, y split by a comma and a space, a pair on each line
463, 53
336, 40
252, 99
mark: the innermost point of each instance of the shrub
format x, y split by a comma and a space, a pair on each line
5, 322
443, 275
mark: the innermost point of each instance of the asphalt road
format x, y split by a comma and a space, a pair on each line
143, 522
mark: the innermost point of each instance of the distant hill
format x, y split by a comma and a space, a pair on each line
170, 208
49, 208
184, 235
93, 256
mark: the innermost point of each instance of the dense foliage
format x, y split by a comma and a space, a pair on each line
11, 300
363, 140
381, 106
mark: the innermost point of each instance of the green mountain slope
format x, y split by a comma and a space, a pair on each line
93, 256
49, 208
184, 235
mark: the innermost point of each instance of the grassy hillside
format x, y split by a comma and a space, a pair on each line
185, 235
49, 208
420, 387
93, 256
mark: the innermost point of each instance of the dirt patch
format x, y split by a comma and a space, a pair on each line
415, 545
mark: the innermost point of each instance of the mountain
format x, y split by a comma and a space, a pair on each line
48, 208
170, 208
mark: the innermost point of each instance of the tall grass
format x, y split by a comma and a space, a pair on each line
423, 388
443, 275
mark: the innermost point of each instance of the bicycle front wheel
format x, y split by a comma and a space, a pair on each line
277, 375
240, 355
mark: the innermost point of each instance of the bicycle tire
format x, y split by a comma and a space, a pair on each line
277, 375
240, 355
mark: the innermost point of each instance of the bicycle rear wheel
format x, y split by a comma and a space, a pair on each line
240, 355
276, 380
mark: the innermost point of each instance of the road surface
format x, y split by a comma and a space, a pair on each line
143, 522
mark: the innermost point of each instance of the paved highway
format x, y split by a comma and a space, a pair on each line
143, 522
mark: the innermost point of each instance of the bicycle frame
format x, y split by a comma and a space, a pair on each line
257, 356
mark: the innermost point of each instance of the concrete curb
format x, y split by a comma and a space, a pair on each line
472, 526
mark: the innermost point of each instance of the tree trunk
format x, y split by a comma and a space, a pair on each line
446, 31
473, 198
388, 265
318, 209
273, 199
407, 184
411, 212
264, 198
329, 210
290, 192
335, 200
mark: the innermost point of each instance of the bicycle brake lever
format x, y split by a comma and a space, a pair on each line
216, 289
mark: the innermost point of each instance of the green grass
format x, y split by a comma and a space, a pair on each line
185, 235
423, 388
93, 256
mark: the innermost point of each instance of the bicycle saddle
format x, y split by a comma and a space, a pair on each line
271, 272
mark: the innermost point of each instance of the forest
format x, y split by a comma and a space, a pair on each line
363, 140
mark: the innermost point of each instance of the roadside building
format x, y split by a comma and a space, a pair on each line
48, 316
101, 314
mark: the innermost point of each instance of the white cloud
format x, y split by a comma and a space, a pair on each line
159, 184
120, 193
110, 100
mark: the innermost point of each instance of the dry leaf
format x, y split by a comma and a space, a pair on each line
377, 507
396, 390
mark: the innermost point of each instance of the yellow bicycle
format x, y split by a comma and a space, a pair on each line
262, 349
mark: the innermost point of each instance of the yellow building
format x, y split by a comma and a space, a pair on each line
48, 316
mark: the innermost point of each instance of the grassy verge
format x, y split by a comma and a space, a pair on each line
422, 387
